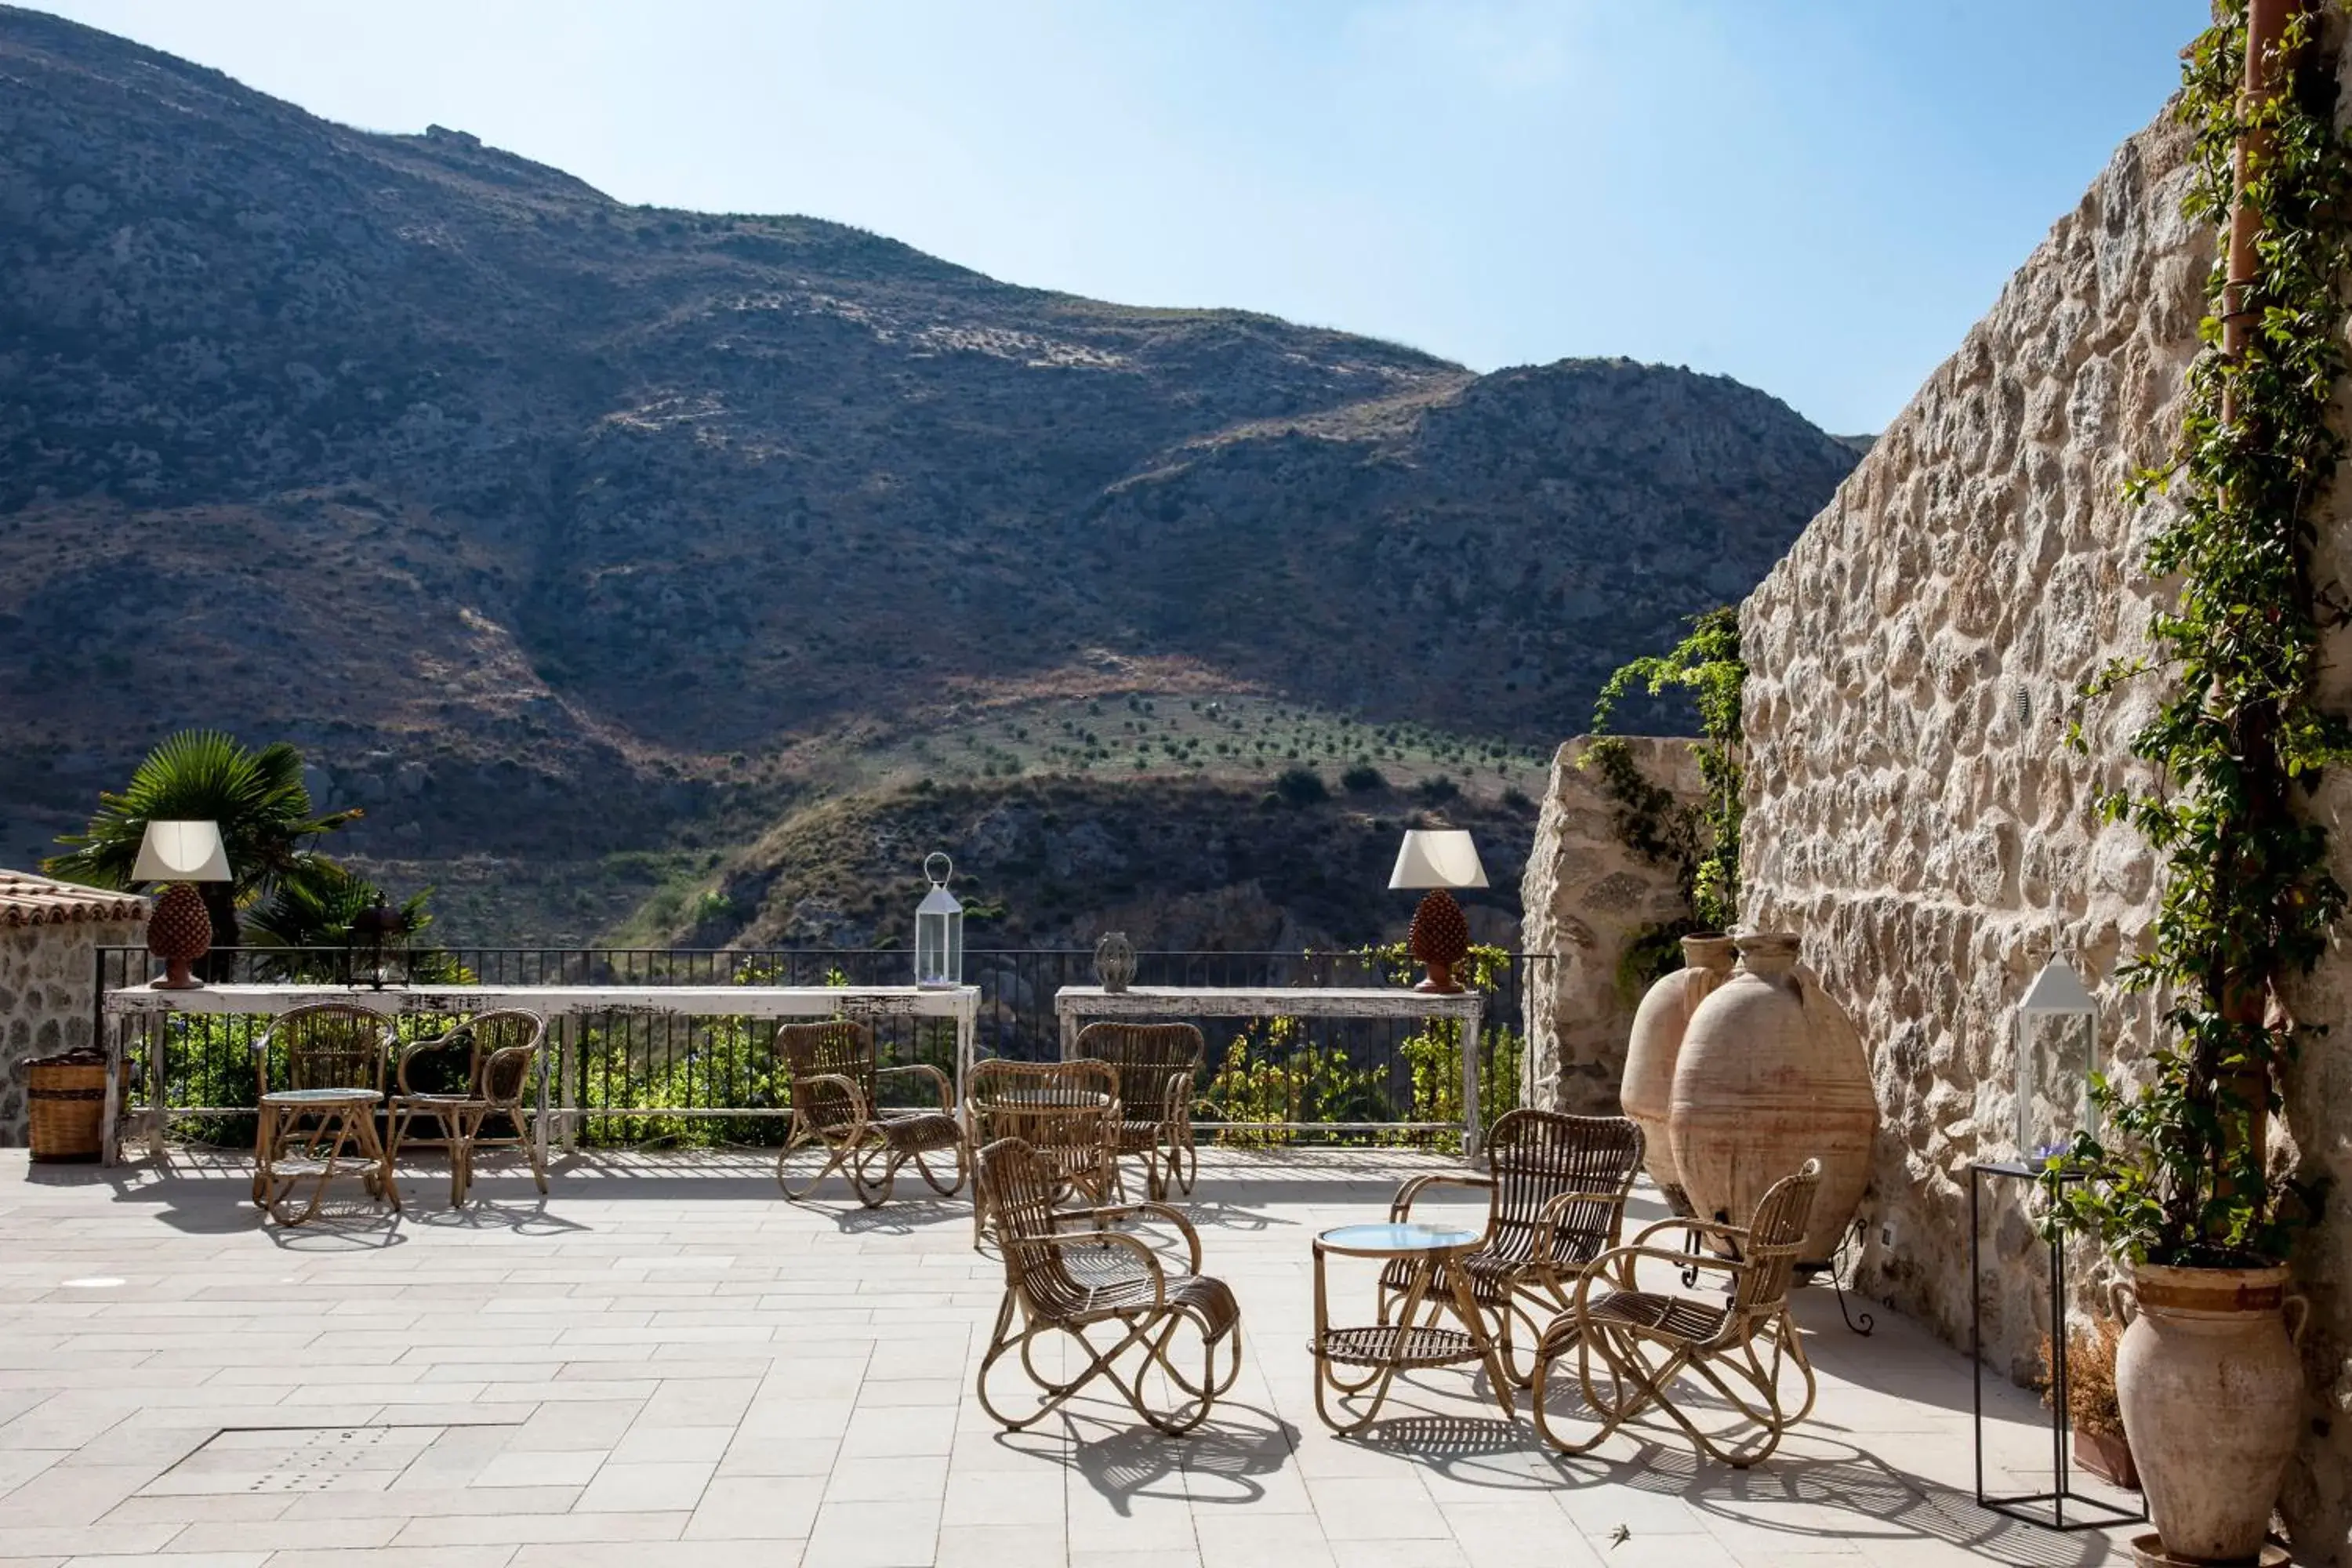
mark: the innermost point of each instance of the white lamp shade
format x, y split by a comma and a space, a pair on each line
1437, 857
2057, 989
182, 852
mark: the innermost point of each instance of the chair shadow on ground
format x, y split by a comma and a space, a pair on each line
900, 1216
522, 1216
1217, 1214
1814, 1469
1874, 1499
342, 1223
1217, 1465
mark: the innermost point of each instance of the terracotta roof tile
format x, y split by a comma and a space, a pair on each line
29, 900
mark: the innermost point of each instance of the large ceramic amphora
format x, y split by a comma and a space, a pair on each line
1656, 1045
2212, 1390
1771, 1075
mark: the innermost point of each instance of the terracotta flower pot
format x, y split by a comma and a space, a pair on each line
2108, 1456
1656, 1046
2212, 1390
1771, 1075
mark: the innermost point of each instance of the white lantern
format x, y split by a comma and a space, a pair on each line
938, 929
2057, 1052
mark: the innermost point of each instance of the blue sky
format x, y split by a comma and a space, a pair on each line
1817, 196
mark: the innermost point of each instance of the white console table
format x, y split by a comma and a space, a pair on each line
961, 1003
1075, 1005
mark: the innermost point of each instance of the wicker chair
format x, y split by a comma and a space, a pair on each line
501, 1058
1066, 1272
1556, 1193
1631, 1344
324, 1107
835, 1109
1067, 1112
1157, 1063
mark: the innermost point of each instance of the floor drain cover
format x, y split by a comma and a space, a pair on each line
295, 1460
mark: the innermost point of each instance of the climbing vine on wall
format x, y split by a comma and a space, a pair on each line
2247, 897
1701, 843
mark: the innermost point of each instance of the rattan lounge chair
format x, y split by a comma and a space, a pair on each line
321, 1115
1632, 1345
1067, 1112
1556, 1189
500, 1069
1065, 1273
1157, 1063
835, 1111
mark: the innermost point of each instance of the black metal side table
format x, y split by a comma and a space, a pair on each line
2046, 1510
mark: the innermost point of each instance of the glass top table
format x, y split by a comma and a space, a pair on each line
302, 1097
1396, 1240
1410, 1340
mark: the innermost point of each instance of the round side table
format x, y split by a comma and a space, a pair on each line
1435, 1253
1074, 1133
304, 1133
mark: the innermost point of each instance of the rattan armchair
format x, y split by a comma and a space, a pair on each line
839, 1124
1067, 1273
501, 1066
1555, 1188
322, 1111
1157, 1065
1066, 1113
1632, 1345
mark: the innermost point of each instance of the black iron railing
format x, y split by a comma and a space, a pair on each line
633, 1075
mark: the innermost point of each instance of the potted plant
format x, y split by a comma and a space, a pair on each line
2093, 1414
2182, 1189
2209, 1383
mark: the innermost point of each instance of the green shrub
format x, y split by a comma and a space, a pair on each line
1301, 786
1272, 1074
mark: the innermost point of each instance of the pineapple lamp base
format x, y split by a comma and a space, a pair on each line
179, 933
1441, 939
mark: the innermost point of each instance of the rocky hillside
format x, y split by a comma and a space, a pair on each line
552, 525
1183, 865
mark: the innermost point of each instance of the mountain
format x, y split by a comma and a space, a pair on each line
552, 527
1185, 866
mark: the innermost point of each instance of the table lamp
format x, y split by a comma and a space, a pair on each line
179, 932
1438, 859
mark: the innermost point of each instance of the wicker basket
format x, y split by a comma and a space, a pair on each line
66, 1101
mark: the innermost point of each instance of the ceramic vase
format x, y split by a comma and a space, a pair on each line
1115, 962
1656, 1045
1771, 1074
2212, 1389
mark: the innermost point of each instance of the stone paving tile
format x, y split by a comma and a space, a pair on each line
663, 1363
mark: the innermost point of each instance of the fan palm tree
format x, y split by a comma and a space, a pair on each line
316, 911
258, 798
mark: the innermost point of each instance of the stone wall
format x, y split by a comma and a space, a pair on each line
1586, 896
1914, 812
47, 1000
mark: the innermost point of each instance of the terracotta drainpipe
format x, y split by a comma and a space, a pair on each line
2251, 998
2266, 23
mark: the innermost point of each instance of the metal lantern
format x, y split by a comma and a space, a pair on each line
375, 932
938, 929
2057, 1052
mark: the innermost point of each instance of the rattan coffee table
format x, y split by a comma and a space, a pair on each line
316, 1135
1434, 1253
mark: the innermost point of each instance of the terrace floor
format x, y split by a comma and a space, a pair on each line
663, 1362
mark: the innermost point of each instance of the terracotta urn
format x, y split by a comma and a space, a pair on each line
1772, 1074
1657, 1045
2212, 1389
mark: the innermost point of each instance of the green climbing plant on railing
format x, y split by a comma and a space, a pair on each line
2247, 900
